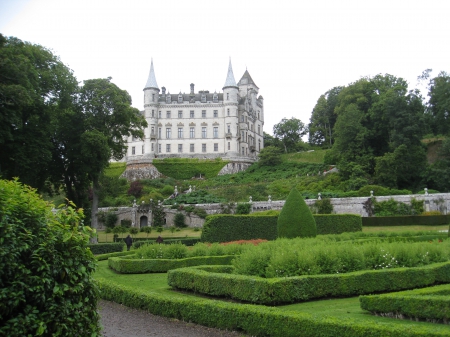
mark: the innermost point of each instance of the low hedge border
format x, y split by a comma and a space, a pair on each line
406, 220
425, 304
295, 289
255, 320
184, 241
141, 266
102, 257
106, 248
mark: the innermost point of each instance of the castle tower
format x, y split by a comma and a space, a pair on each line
230, 100
151, 97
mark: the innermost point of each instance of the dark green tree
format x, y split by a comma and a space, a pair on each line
296, 219
269, 156
179, 220
439, 103
159, 216
290, 132
323, 119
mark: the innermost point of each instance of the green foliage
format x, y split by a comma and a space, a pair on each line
106, 248
110, 219
428, 303
295, 219
296, 289
290, 133
243, 208
125, 223
185, 168
407, 220
159, 216
226, 228
162, 264
115, 170
251, 319
392, 207
322, 206
270, 156
133, 230
196, 197
46, 275
338, 223
179, 220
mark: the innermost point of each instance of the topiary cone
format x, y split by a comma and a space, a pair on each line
296, 219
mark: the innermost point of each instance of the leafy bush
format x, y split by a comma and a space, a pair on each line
110, 219
323, 206
179, 220
135, 188
295, 219
46, 275
243, 208
105, 248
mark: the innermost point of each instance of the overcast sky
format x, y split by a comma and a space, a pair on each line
294, 50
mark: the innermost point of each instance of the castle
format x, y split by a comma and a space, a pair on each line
205, 125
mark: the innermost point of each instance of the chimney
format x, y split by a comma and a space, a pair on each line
163, 90
192, 88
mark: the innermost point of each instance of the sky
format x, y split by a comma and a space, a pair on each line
294, 50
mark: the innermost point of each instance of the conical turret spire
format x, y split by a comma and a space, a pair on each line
151, 81
230, 81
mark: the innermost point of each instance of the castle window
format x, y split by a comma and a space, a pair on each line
243, 151
192, 132
203, 147
191, 114
153, 130
216, 132
228, 145
216, 147
242, 118
228, 128
204, 132
228, 95
153, 147
167, 147
133, 150
242, 135
216, 114
258, 115
153, 97
159, 114
180, 98
142, 149
259, 145
168, 114
168, 133
159, 148
168, 98
228, 112
180, 132
203, 113
259, 129
153, 113
159, 133
203, 98
191, 147
180, 114
215, 98
180, 148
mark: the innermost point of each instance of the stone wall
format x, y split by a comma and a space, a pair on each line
433, 202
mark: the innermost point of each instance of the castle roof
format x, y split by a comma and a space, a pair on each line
230, 81
151, 81
247, 79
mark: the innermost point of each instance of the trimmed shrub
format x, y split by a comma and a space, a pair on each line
296, 219
407, 220
338, 223
303, 288
141, 266
46, 285
256, 320
430, 303
105, 248
179, 220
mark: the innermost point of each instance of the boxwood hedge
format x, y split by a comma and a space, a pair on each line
302, 288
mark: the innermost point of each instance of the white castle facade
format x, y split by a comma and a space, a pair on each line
205, 125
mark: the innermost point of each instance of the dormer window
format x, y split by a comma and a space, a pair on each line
203, 98
168, 98
215, 98
180, 98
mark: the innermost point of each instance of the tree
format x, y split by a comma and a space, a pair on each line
179, 220
35, 88
108, 118
290, 133
46, 276
439, 103
296, 219
270, 156
439, 172
323, 118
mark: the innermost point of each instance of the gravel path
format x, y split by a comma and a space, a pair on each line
118, 320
